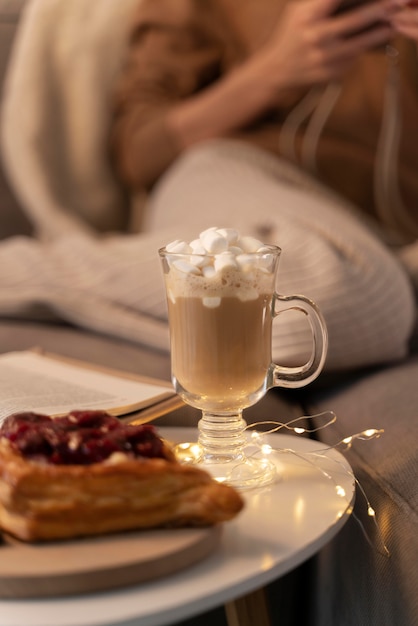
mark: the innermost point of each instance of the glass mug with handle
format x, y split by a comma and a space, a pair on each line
222, 301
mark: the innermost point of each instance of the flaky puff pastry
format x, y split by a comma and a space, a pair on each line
43, 501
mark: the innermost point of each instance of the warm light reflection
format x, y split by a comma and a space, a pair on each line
267, 562
266, 449
188, 452
340, 491
299, 510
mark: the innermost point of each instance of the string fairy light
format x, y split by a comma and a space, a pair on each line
261, 447
329, 416
382, 548
258, 439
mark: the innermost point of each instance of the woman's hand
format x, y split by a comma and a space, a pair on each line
311, 45
308, 46
405, 19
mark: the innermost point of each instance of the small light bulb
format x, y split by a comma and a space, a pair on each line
370, 432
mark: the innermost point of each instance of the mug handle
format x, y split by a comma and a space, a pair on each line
299, 376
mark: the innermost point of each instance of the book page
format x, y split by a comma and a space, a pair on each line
38, 383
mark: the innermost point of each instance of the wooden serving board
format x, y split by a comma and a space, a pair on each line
100, 563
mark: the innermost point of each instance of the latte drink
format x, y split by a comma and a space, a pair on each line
221, 354
220, 329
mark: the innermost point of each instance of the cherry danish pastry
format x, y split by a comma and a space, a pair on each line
87, 474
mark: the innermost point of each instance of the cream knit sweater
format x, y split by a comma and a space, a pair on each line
113, 284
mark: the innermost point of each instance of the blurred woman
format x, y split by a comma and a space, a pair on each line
294, 121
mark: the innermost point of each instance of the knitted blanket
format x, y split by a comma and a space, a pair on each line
56, 111
54, 126
54, 130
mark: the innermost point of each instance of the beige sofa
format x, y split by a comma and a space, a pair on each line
349, 583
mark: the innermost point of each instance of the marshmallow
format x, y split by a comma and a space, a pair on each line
247, 262
266, 259
230, 234
211, 303
208, 230
224, 261
197, 260
250, 244
248, 294
220, 264
178, 247
208, 271
197, 247
185, 267
213, 242
235, 250
219, 250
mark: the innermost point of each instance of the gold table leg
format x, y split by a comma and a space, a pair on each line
249, 610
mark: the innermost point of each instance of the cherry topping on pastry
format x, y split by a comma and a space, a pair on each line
80, 438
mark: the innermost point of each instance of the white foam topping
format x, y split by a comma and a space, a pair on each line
220, 262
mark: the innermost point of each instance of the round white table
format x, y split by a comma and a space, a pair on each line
281, 526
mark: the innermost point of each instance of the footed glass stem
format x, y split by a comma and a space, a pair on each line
220, 450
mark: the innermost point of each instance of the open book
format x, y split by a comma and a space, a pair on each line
54, 385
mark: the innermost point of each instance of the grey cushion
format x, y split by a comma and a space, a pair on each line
356, 584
